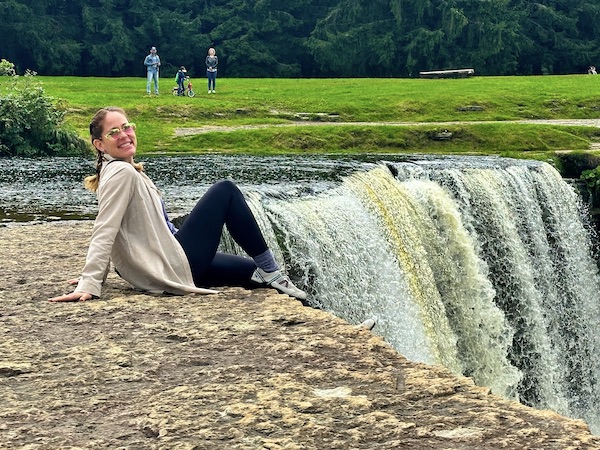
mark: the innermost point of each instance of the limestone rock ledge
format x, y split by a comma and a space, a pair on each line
238, 370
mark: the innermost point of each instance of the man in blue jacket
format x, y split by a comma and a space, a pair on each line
152, 63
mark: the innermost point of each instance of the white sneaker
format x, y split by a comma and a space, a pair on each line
209, 91
279, 281
214, 91
368, 324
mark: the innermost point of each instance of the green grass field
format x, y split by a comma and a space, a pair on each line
481, 104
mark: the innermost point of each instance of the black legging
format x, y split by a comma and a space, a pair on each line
200, 234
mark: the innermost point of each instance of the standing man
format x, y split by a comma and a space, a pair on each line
152, 63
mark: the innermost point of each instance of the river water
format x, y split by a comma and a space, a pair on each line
484, 265
52, 188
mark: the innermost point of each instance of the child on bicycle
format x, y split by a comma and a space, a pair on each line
180, 78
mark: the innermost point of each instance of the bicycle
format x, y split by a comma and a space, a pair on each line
188, 90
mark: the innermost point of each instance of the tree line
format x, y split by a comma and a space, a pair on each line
302, 38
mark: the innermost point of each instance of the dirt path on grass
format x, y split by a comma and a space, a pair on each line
216, 129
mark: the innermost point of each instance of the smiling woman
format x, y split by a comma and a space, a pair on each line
113, 135
118, 138
133, 230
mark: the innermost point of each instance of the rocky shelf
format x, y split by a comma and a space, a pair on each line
236, 370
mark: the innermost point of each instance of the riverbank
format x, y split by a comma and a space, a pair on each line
238, 370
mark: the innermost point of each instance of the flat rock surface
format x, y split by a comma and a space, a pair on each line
237, 370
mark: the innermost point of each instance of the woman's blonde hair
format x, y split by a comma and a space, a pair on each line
96, 126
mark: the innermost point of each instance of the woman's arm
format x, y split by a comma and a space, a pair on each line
114, 195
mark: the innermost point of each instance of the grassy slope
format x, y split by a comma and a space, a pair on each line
275, 101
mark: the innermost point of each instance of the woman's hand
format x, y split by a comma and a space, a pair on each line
72, 297
76, 296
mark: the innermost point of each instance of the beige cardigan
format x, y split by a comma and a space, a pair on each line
131, 230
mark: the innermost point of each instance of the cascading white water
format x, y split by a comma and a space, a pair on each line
485, 268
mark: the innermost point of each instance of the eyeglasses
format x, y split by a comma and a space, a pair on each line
127, 128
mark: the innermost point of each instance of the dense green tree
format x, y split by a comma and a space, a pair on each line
265, 38
490, 38
383, 38
358, 39
107, 40
289, 38
561, 35
14, 16
40, 41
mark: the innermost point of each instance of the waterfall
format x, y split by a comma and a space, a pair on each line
483, 267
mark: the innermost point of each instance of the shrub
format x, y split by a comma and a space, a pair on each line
31, 125
592, 180
573, 164
7, 68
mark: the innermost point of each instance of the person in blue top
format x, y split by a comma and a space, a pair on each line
211, 69
152, 63
180, 78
